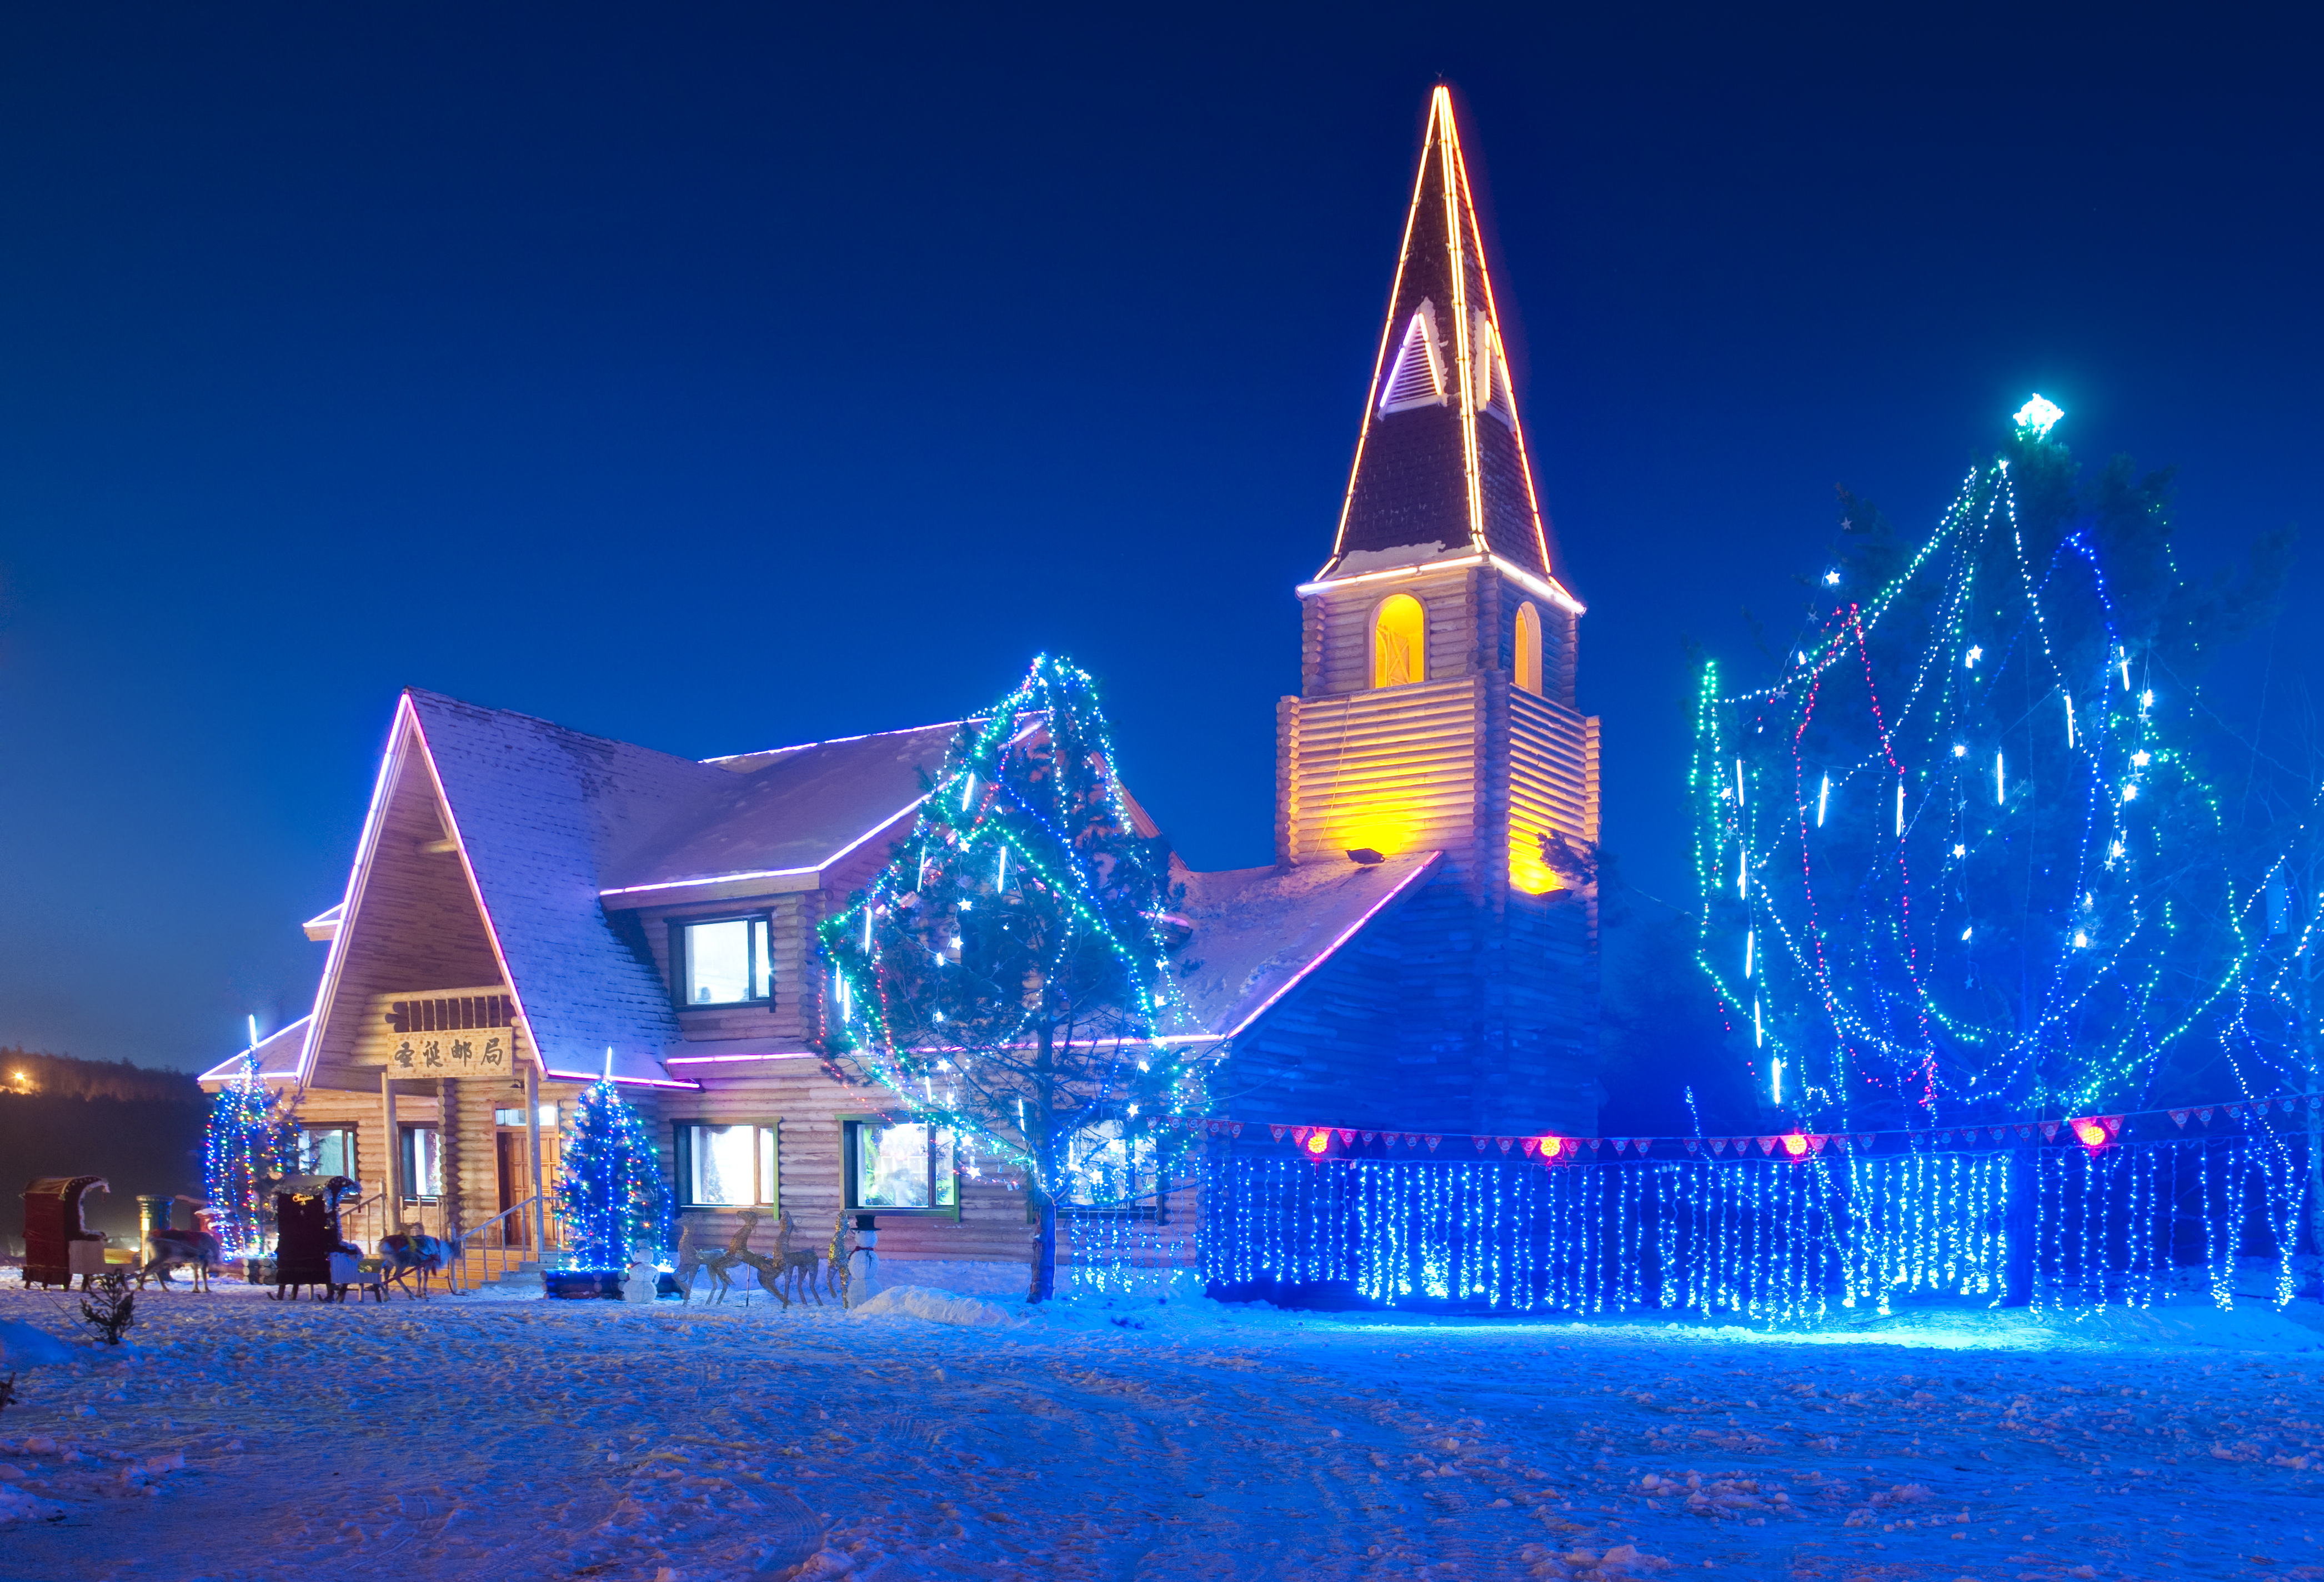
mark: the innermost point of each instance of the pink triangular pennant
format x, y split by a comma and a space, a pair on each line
1622, 1144
1718, 1145
2024, 1131
1693, 1143
2113, 1123
1347, 1139
2204, 1114
1505, 1143
1767, 1145
1482, 1143
1817, 1140
1278, 1131
1531, 1146
2180, 1117
2049, 1130
1432, 1139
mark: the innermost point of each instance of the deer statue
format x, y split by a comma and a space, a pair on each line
769, 1269
415, 1252
790, 1264
842, 1247
689, 1262
197, 1249
737, 1251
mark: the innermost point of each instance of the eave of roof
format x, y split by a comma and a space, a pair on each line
278, 1057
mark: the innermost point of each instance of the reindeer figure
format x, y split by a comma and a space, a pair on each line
737, 1251
416, 1251
689, 1262
792, 1264
769, 1272
171, 1249
842, 1247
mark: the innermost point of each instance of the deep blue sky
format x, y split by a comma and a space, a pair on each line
711, 380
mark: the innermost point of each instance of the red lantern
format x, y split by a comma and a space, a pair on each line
2092, 1133
1795, 1145
1318, 1142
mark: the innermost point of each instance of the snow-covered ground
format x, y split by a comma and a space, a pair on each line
237, 1438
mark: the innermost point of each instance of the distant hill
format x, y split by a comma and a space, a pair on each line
139, 1128
30, 1072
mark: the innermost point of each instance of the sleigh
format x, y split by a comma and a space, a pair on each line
59, 1247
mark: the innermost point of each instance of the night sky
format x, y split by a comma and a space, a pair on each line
699, 378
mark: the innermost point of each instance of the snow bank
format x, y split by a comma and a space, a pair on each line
23, 1345
938, 1307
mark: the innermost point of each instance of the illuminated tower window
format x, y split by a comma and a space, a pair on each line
1528, 648
1417, 378
1399, 641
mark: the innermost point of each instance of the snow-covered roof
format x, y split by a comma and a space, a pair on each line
278, 1057
794, 811
1259, 932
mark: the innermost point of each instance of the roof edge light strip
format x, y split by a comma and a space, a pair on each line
1333, 950
1542, 587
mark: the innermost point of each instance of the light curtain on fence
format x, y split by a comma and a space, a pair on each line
1774, 1240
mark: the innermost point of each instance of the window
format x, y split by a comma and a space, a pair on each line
515, 1118
723, 1165
1399, 641
1417, 378
326, 1150
728, 962
900, 1166
1528, 648
423, 1163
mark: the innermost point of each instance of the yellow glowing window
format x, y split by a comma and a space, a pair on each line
1529, 646
1399, 641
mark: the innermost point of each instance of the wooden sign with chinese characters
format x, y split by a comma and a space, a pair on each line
480, 1053
443, 1033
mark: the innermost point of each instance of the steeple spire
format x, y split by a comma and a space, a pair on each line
1440, 470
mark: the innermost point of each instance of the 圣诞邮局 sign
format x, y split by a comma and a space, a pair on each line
481, 1053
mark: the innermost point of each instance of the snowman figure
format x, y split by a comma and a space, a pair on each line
638, 1286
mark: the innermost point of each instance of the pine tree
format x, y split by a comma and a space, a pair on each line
615, 1203
1007, 977
247, 1146
1961, 856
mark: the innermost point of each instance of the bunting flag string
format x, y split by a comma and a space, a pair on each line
2095, 1132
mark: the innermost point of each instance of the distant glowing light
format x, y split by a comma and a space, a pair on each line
2081, 940
1832, 579
1960, 750
2038, 416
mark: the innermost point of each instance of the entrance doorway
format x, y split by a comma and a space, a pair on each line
513, 1157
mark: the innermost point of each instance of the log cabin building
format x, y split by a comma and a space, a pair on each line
530, 908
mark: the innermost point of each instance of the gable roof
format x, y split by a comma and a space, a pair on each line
794, 811
1445, 478
1259, 932
278, 1053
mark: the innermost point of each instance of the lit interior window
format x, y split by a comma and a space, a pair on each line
1528, 648
1399, 641
727, 963
908, 1166
730, 1166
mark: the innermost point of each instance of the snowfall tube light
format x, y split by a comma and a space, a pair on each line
2069, 719
1822, 797
1748, 934
2000, 786
1900, 807
1775, 1081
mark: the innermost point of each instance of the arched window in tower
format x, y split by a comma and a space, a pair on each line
1528, 648
1399, 641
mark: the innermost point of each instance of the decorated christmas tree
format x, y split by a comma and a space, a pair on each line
1959, 858
251, 1141
615, 1203
1007, 977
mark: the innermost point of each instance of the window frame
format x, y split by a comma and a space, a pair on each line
1518, 622
681, 960
309, 1163
851, 1128
407, 1160
769, 1194
1372, 648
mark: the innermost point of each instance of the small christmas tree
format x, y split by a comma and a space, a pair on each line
616, 1204
1007, 977
247, 1145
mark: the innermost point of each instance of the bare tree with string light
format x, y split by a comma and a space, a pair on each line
1008, 976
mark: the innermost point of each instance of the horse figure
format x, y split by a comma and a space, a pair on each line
415, 1252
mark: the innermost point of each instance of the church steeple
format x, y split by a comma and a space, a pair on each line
1440, 470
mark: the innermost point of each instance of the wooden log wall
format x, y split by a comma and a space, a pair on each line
1394, 768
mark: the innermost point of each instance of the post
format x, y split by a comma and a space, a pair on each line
391, 1156
532, 1137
